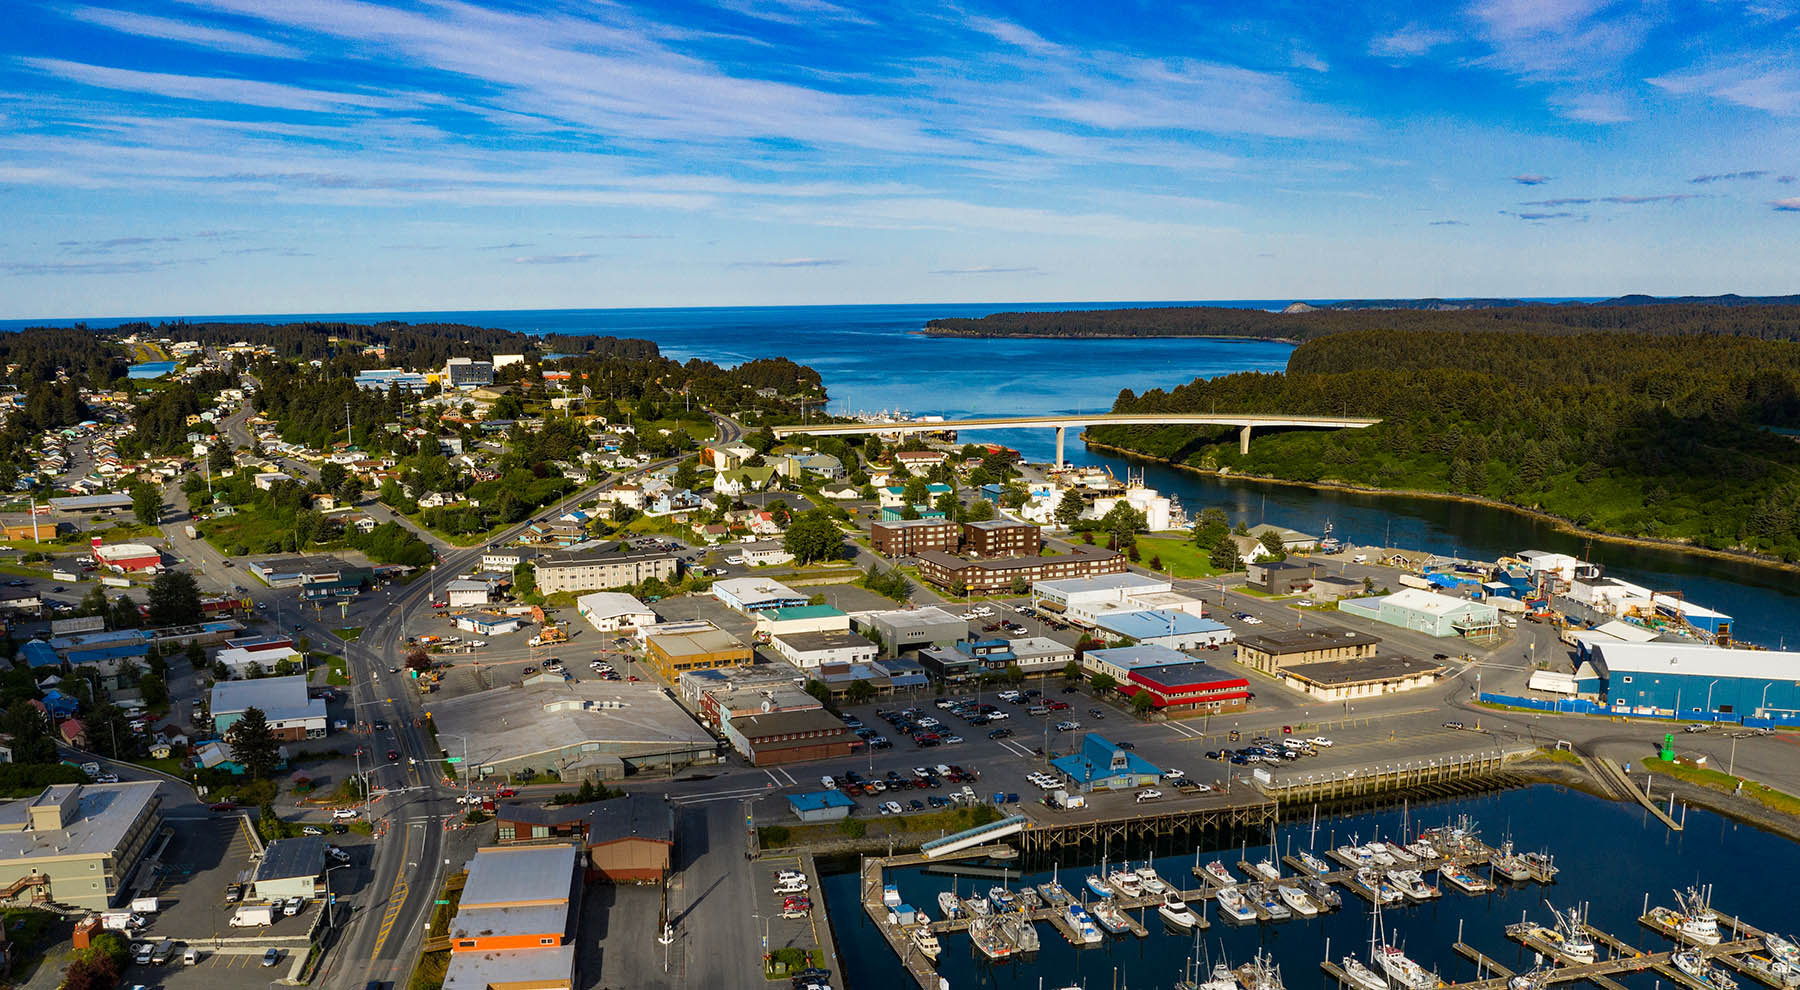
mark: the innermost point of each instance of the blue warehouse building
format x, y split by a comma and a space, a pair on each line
1696, 681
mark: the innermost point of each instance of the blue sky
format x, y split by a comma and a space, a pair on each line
246, 156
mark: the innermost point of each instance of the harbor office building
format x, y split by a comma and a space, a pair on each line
1689, 680
1276, 649
77, 844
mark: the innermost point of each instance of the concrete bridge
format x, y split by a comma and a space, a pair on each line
1061, 424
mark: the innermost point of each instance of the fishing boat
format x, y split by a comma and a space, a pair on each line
1783, 949
1701, 971
1153, 884
1267, 868
1233, 903
1222, 978
1086, 932
1378, 851
1029, 899
1401, 854
1260, 973
1313, 864
1422, 851
1412, 884
1464, 880
1020, 933
950, 905
978, 906
1355, 855
1692, 921
1296, 900
1536, 979
1542, 867
925, 942
1002, 899
1098, 886
1362, 977
1508, 864
985, 934
1126, 882
1218, 872
1772, 971
1573, 939
1268, 902
1110, 917
890, 896
1378, 889
1325, 894
1175, 911
1402, 971
1054, 894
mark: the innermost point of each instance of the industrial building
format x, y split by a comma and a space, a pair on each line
1688, 680
614, 611
1278, 648
1349, 680
902, 629
628, 839
1002, 574
674, 653
292, 716
77, 844
515, 922
1278, 577
1427, 612
128, 557
790, 737
580, 730
750, 595
597, 571
467, 593
1175, 630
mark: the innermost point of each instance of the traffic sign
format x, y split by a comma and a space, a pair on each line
452, 759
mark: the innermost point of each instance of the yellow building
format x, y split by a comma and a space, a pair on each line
675, 653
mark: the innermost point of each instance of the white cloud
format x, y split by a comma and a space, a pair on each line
1410, 41
1772, 89
212, 89
1592, 108
1015, 35
199, 35
793, 263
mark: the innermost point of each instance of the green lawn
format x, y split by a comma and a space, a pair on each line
1768, 797
348, 634
170, 765
1181, 557
337, 672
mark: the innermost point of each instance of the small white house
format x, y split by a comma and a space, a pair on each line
466, 594
612, 611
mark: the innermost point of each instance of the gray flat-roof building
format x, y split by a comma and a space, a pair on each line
902, 629
77, 844
290, 868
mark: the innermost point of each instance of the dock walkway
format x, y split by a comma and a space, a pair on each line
1610, 771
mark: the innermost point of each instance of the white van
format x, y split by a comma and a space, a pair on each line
1361, 558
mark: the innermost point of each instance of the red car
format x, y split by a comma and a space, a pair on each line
224, 806
507, 792
393, 754
440, 604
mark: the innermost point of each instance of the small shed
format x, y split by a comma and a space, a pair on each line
291, 868
821, 806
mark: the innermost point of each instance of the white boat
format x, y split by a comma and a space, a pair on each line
1701, 971
1783, 949
1217, 871
1572, 935
1086, 932
1175, 911
1357, 855
1693, 922
1412, 884
1153, 884
1362, 977
890, 896
979, 906
925, 942
1422, 850
1222, 978
1109, 916
1313, 864
1267, 868
1002, 899
1378, 888
1233, 903
1464, 880
1296, 900
1126, 882
1054, 894
1400, 854
950, 905
1378, 851
1098, 886
1402, 971
1509, 864
1268, 902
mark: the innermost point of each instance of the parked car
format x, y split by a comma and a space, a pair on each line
271, 957
344, 814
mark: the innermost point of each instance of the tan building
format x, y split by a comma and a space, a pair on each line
599, 571
1349, 680
76, 844
673, 654
1282, 648
1000, 575
1001, 538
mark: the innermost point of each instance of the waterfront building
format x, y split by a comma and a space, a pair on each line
1427, 612
1691, 680
1102, 766
1271, 651
1349, 680
1188, 688
771, 738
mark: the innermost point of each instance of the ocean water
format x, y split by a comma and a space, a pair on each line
1612, 856
873, 358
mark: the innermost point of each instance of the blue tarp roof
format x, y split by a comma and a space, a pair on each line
820, 800
38, 653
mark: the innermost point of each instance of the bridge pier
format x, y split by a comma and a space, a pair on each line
1061, 432
1244, 439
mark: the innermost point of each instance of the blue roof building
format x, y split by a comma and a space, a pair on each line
1102, 766
38, 653
1165, 627
821, 806
60, 705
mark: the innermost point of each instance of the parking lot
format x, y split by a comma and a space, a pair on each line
201, 859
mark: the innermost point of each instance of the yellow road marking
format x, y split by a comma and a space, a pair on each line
396, 898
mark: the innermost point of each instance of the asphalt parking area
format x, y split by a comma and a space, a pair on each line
202, 858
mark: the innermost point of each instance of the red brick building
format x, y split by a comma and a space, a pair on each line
1188, 687
1001, 538
998, 575
908, 537
790, 737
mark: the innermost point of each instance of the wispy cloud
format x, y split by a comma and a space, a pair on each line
1537, 217
793, 263
991, 270
1301, 58
198, 35
1618, 200
134, 267
112, 244
1015, 35
280, 252
623, 237
1592, 108
1755, 173
1771, 88
1531, 179
1790, 204
515, 245
1448, 223
211, 89
554, 259
1410, 41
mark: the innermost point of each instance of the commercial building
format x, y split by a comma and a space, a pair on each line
77, 844
812, 650
489, 624
672, 654
292, 716
628, 839
462, 372
290, 868
1102, 766
466, 594
1175, 630
1427, 612
1278, 577
1083, 600
790, 737
581, 730
800, 619
239, 661
91, 503
1001, 537
750, 595
514, 927
614, 611
1331, 588
1348, 680
383, 379
720, 703
821, 806
597, 571
290, 572
128, 557
902, 629
1120, 661
1278, 648
1004, 574
907, 537
1194, 688
1037, 655
1292, 540
1688, 680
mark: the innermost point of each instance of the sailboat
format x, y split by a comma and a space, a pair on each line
1268, 866
1360, 975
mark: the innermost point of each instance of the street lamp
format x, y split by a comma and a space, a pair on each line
1709, 691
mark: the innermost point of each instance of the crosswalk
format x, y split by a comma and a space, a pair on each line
778, 774
739, 794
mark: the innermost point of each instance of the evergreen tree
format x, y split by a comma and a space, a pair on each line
1069, 508
174, 599
253, 744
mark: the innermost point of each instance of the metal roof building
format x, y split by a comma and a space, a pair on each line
1695, 681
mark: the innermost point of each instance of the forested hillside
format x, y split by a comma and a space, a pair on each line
1640, 434
1768, 322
